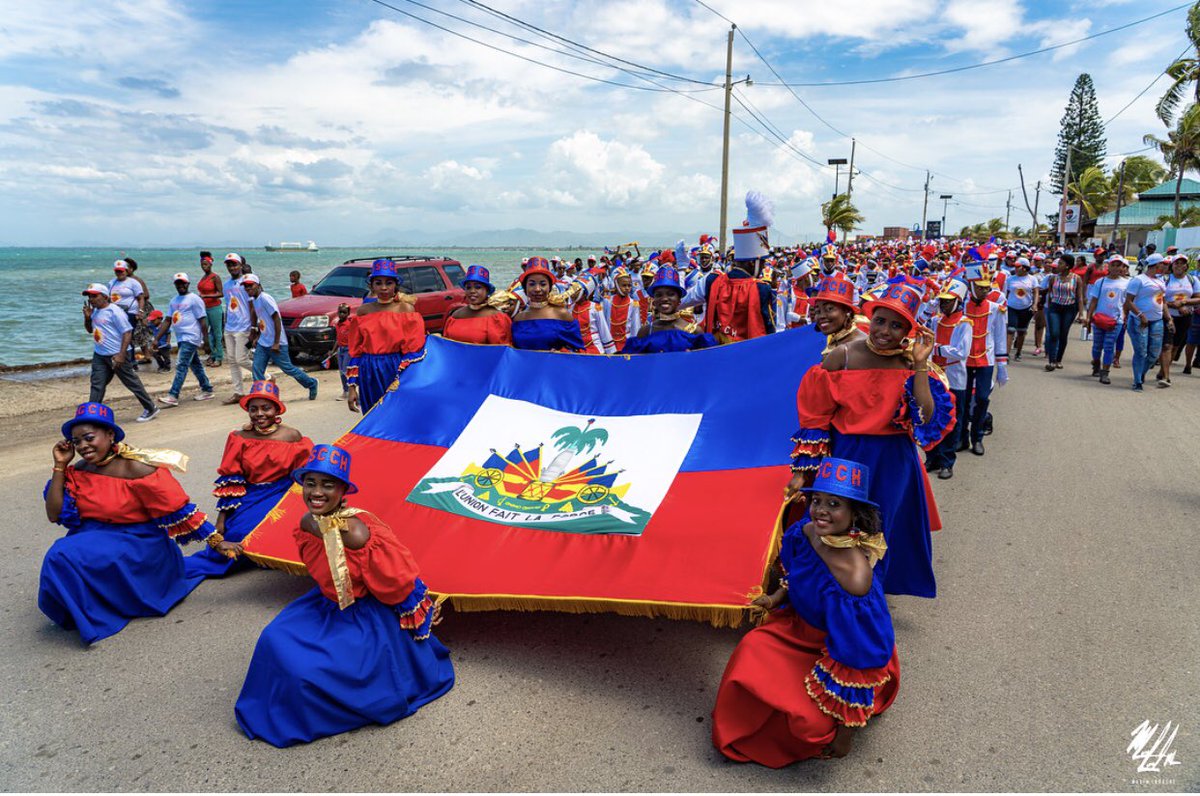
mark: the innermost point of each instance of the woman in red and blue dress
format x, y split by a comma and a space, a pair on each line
388, 336
542, 326
818, 669
254, 473
125, 516
478, 322
356, 650
869, 401
667, 332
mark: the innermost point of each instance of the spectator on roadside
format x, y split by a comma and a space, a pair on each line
190, 323
129, 296
142, 339
298, 288
1021, 292
111, 333
1146, 315
344, 327
1182, 295
1064, 306
1106, 315
270, 341
162, 350
239, 320
211, 293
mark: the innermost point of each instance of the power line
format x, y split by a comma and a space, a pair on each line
656, 87
1150, 85
982, 64
577, 45
760, 117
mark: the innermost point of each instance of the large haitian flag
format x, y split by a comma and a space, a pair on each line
647, 485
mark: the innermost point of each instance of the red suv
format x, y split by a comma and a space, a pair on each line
308, 320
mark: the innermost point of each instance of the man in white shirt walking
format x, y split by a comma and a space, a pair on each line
111, 334
187, 317
272, 347
239, 320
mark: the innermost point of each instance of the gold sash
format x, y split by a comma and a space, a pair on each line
154, 457
331, 527
870, 543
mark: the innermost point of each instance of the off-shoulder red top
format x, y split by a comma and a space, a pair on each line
260, 461
125, 500
387, 333
495, 329
382, 567
852, 401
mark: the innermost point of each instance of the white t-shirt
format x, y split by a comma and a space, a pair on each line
109, 325
186, 313
124, 293
1019, 291
237, 306
1183, 287
265, 307
1147, 292
1110, 296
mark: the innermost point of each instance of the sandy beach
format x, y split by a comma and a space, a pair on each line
1058, 628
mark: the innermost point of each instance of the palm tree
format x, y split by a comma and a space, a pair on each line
1017, 232
571, 441
838, 213
1141, 174
1181, 148
1184, 73
1093, 190
994, 226
1189, 218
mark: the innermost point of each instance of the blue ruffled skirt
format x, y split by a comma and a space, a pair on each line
101, 575
319, 671
898, 486
252, 508
376, 372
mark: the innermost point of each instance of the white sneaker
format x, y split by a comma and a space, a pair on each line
168, 400
204, 396
148, 415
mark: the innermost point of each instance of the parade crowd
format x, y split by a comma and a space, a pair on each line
917, 335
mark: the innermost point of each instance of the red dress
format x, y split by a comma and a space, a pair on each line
382, 345
494, 329
382, 567
157, 496
262, 460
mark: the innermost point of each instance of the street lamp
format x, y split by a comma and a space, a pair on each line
946, 197
837, 164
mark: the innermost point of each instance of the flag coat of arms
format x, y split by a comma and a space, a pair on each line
646, 485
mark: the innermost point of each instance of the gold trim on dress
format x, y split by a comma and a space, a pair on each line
332, 527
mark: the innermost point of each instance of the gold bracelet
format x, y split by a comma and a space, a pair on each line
214, 540
59, 469
921, 370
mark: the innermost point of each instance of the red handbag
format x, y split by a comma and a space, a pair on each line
1104, 322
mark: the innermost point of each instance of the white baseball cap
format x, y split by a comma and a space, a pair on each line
1154, 259
96, 289
252, 279
1023, 261
1116, 258
235, 257
181, 277
120, 265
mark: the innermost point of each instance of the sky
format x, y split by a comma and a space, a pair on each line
344, 121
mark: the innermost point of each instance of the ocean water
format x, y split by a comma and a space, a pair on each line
41, 318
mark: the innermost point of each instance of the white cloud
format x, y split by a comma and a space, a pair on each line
614, 172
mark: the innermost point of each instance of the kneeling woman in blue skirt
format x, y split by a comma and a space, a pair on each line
355, 650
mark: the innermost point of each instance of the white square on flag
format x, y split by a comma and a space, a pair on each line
525, 465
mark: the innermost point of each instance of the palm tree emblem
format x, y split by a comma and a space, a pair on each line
571, 441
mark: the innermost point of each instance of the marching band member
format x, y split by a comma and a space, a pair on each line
987, 359
951, 345
621, 310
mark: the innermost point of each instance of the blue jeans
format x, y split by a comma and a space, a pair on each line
946, 453
343, 355
1121, 336
977, 396
1104, 343
216, 331
1147, 345
189, 357
1059, 318
263, 356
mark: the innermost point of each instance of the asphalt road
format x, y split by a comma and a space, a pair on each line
1067, 614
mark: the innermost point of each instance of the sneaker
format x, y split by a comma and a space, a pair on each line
1187, 370
1104, 377
1116, 364
1037, 352
148, 415
204, 396
1138, 388
945, 474
168, 400
1164, 383
312, 391
1017, 357
231, 400
164, 370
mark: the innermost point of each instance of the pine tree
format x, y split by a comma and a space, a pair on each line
1082, 129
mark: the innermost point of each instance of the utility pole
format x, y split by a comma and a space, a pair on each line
925, 206
1007, 212
1062, 204
849, 181
946, 197
725, 141
1117, 216
1037, 197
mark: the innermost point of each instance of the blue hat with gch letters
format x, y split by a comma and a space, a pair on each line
844, 478
328, 460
